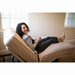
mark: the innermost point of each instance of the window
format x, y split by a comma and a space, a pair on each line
70, 20
12, 19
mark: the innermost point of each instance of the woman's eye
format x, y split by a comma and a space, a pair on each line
25, 27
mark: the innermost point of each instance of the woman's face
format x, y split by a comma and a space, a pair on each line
24, 29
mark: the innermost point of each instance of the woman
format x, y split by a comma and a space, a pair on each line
37, 44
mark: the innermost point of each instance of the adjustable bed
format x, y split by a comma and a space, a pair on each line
23, 53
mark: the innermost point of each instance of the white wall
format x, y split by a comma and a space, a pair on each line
0, 22
1, 36
48, 24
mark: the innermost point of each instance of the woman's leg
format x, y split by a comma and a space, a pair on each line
42, 46
44, 39
44, 43
47, 38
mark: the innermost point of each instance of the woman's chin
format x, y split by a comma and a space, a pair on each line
25, 33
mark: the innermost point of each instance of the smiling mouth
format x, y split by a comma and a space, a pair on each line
25, 31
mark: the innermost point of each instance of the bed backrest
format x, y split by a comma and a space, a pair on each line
13, 41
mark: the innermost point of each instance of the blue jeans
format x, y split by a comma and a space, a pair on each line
45, 42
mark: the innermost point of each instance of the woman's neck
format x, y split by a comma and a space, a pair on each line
25, 34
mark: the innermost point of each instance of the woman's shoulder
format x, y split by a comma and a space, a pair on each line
24, 36
28, 39
29, 36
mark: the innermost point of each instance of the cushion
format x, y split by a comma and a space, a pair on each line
55, 51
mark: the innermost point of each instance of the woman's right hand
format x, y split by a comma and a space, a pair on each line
38, 39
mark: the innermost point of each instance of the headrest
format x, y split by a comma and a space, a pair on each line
9, 34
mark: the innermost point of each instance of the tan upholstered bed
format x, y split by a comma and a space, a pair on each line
23, 53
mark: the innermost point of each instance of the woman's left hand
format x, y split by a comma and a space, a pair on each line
35, 39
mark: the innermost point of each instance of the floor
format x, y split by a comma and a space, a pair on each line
8, 59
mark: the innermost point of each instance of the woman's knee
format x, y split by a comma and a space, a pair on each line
48, 37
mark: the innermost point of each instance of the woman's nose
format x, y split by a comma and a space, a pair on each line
25, 28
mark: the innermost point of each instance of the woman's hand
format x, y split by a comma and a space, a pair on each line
38, 39
35, 39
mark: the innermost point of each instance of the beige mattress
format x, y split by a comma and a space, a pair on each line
55, 51
23, 53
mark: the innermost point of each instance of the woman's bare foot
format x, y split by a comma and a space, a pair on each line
63, 36
61, 39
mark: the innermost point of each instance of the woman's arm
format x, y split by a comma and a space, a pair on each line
30, 44
38, 39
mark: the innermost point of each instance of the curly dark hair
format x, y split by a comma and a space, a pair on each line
18, 29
